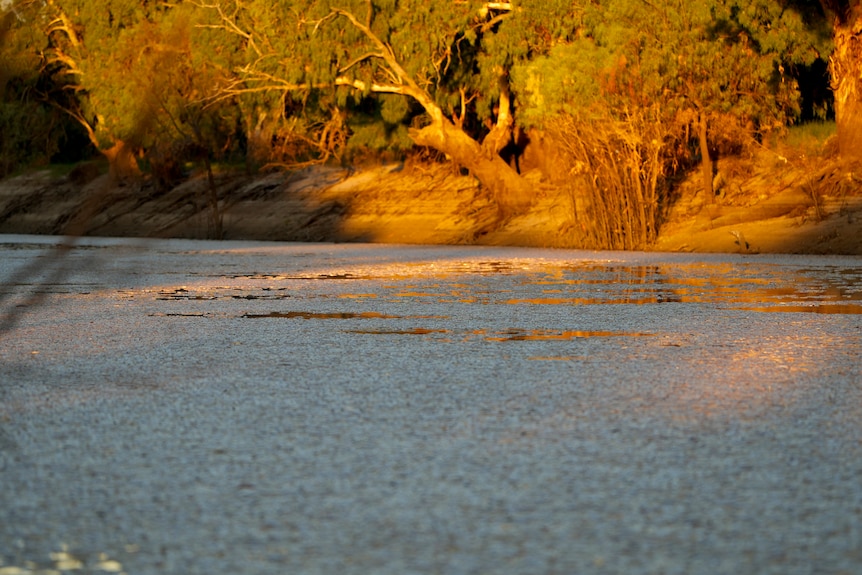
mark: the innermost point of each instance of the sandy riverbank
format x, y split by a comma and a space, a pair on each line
781, 208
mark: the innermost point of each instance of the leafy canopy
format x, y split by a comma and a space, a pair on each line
727, 58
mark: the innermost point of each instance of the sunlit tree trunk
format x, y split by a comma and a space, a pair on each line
501, 133
846, 71
511, 192
123, 164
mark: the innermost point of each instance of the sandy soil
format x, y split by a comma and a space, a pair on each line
784, 207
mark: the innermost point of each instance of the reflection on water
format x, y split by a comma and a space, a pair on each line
812, 308
749, 285
333, 276
773, 288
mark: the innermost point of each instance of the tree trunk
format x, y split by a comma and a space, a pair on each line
511, 192
705, 160
122, 164
846, 71
121, 161
215, 218
501, 133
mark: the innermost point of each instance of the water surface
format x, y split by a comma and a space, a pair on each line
203, 407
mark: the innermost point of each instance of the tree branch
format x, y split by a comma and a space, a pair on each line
500, 6
228, 25
360, 59
373, 87
270, 83
64, 24
385, 49
408, 85
58, 56
494, 21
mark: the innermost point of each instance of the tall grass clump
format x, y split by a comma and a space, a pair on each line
615, 178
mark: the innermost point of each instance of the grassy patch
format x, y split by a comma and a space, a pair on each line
60, 170
809, 139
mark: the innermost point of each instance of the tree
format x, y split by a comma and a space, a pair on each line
131, 74
31, 128
450, 59
93, 53
90, 70
721, 67
845, 66
171, 82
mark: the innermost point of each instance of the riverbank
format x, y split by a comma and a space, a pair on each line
768, 204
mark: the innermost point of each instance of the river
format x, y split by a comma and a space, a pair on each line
191, 407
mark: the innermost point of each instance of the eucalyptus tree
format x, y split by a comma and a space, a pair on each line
448, 59
131, 70
171, 80
82, 51
31, 130
718, 68
845, 65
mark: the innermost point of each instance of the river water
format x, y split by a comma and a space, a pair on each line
202, 407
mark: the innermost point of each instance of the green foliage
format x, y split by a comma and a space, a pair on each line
377, 137
562, 82
393, 109
27, 134
132, 72
526, 34
381, 126
459, 53
31, 129
625, 96
719, 58
156, 73
809, 139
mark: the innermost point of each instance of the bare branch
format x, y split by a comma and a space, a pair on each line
360, 59
370, 16
64, 24
385, 49
269, 83
465, 101
318, 23
227, 24
252, 80
377, 88
498, 6
408, 85
494, 21
58, 56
